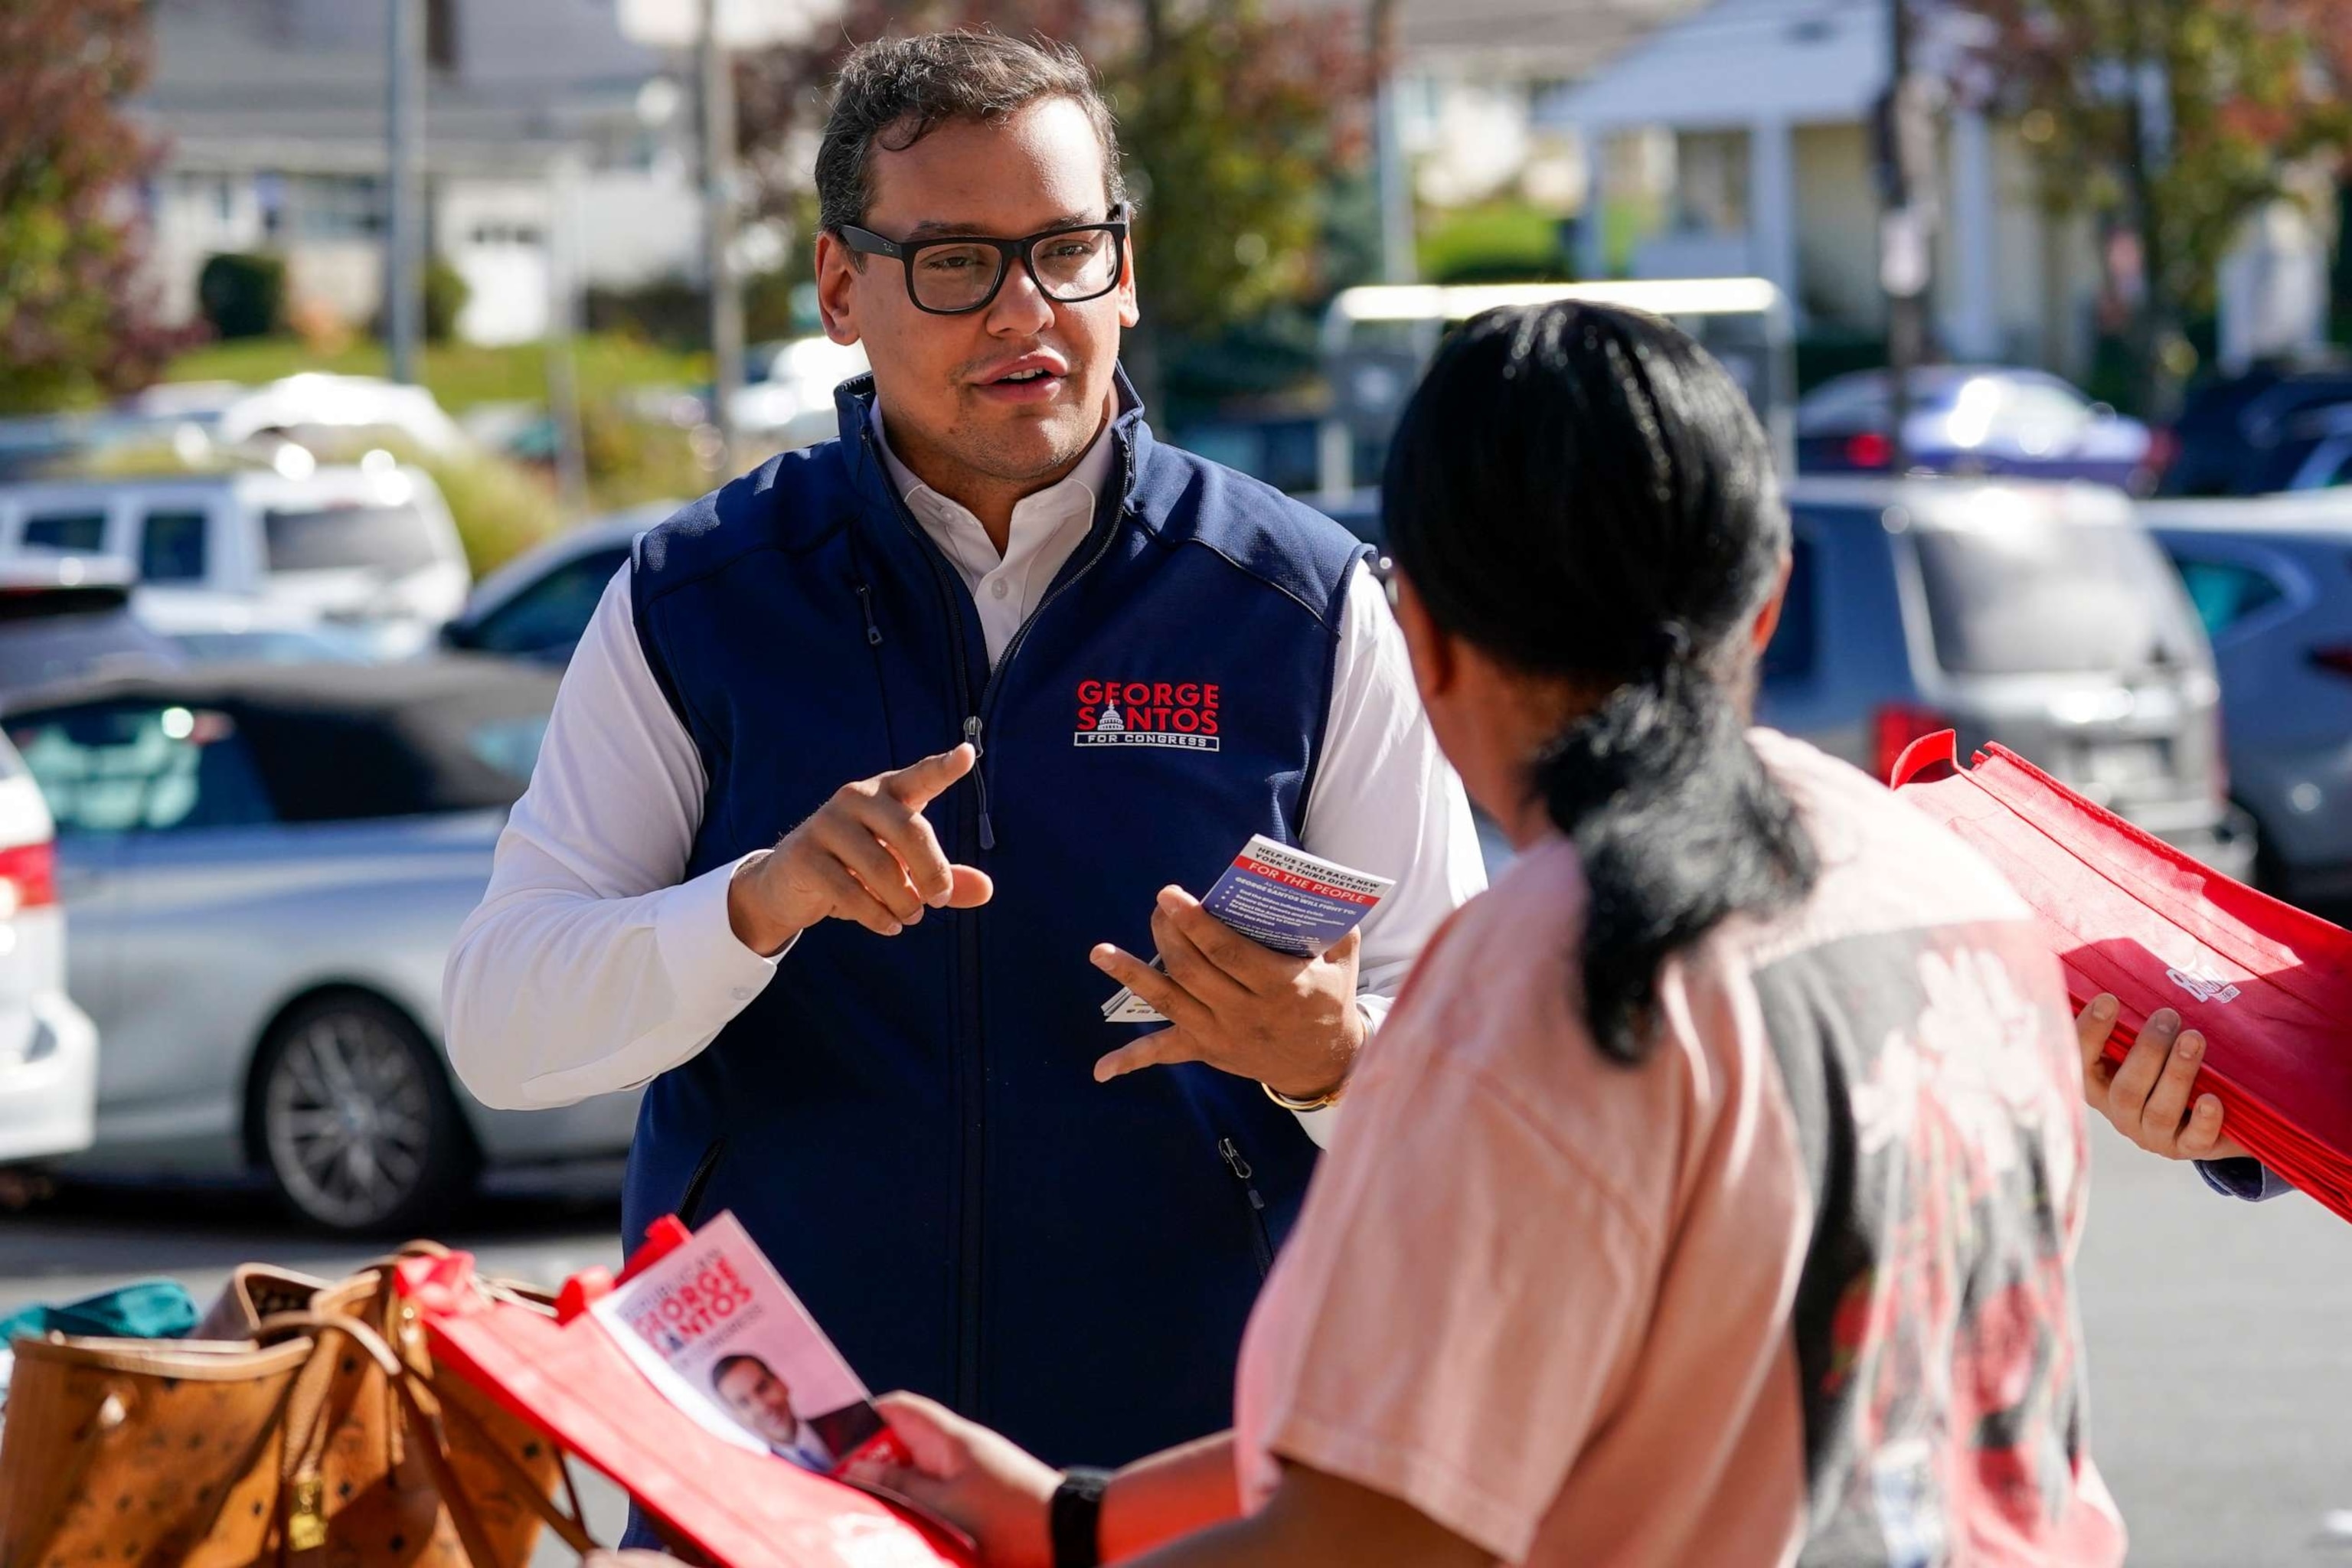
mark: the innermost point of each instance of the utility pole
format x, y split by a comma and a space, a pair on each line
1393, 190
403, 230
2151, 323
1906, 224
719, 229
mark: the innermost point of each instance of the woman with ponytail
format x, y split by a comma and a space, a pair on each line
1712, 1193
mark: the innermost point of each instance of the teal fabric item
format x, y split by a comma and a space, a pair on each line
149, 1310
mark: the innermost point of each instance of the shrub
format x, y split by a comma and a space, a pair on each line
447, 294
243, 295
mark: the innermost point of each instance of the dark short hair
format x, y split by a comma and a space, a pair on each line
893, 92
728, 1363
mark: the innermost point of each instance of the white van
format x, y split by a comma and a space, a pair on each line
371, 544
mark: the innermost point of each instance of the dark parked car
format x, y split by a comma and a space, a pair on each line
66, 619
2251, 434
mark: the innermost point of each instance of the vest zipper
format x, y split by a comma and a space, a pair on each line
972, 1071
1261, 1240
865, 607
971, 732
972, 1062
974, 727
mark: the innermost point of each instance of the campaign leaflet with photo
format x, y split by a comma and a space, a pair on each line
726, 1340
1280, 897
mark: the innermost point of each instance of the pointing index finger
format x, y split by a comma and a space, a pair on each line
919, 783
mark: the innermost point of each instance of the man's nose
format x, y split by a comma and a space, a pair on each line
1020, 308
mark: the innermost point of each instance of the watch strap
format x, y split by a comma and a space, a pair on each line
1075, 1517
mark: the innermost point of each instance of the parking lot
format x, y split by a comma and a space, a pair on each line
2221, 1333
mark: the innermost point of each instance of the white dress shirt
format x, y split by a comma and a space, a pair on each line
590, 967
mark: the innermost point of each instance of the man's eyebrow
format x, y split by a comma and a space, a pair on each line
932, 228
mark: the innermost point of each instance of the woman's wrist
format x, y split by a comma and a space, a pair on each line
1074, 1518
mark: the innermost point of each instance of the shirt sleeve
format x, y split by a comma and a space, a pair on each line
1465, 1315
2248, 1179
1385, 800
590, 967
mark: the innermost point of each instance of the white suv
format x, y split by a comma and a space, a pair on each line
48, 1047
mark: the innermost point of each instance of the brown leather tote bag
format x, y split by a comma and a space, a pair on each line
323, 1441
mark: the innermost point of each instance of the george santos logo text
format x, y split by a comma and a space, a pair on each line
1179, 714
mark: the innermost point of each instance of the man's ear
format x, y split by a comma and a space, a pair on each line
1129, 309
837, 279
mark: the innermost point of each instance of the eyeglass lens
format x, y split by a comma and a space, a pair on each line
1078, 265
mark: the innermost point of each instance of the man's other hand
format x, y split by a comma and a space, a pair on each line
1290, 1023
867, 855
2147, 1097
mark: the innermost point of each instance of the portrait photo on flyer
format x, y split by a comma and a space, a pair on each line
718, 1330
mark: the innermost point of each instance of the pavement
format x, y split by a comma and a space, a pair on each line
2219, 1333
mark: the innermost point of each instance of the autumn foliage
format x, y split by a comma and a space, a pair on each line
76, 319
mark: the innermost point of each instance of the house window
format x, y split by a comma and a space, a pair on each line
1711, 182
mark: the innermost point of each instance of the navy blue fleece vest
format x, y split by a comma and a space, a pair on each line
908, 1125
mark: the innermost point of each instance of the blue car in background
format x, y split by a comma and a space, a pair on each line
1973, 420
2272, 579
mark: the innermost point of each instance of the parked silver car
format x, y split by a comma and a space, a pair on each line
2043, 617
2271, 578
264, 868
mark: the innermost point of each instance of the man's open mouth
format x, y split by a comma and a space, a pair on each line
1019, 376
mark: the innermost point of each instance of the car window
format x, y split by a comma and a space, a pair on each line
70, 532
2225, 592
172, 547
2033, 595
338, 538
1795, 644
125, 769
552, 613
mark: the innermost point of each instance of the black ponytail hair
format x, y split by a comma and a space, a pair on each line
1581, 492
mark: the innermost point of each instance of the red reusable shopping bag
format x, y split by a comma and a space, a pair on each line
2270, 987
565, 1376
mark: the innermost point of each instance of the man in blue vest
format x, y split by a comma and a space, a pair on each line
880, 768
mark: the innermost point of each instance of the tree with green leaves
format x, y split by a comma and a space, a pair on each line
2173, 121
76, 319
1233, 122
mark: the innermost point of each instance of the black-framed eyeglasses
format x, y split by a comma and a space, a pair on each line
961, 273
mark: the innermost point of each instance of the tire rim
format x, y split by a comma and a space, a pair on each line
346, 1114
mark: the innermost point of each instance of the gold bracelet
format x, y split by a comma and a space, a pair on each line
1317, 1103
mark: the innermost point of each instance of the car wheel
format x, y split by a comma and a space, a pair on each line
355, 1119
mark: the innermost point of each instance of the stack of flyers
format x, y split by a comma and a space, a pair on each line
725, 1340
1280, 897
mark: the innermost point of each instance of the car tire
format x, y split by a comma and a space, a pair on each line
352, 1118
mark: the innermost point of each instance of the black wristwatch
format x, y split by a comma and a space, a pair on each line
1075, 1517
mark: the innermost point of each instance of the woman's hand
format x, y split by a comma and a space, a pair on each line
982, 1484
2146, 1097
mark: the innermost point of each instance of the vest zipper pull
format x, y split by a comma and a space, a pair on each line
866, 606
979, 781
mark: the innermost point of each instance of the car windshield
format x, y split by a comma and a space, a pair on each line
392, 539
2046, 598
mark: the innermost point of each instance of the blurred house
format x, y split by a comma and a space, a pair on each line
1473, 78
1742, 134
543, 126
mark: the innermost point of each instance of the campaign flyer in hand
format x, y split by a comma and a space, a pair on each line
1280, 897
726, 1340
